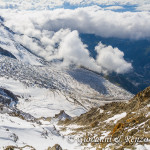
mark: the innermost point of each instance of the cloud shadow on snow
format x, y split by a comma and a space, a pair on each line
89, 78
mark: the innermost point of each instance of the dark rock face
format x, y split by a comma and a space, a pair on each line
62, 115
55, 147
6, 97
1, 18
6, 53
4, 100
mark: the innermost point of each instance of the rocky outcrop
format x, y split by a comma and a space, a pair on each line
119, 120
6, 53
62, 116
19, 148
6, 97
55, 147
7, 100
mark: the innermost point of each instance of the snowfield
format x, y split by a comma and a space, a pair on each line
18, 132
116, 118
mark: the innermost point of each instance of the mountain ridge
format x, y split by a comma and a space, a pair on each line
128, 122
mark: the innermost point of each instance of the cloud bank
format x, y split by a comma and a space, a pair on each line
111, 59
55, 34
66, 45
93, 20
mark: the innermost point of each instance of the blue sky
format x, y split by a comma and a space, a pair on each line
115, 5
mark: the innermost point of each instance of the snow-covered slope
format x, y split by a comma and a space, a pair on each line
7, 42
43, 89
45, 85
54, 88
18, 132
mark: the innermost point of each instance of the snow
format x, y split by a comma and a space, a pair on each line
4, 110
148, 114
142, 147
70, 94
105, 134
147, 146
148, 105
40, 102
116, 117
100, 110
7, 43
29, 134
45, 90
68, 129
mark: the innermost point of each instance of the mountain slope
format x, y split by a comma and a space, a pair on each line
9, 47
36, 94
123, 125
53, 81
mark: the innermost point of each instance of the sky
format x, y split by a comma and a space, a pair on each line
136, 5
57, 25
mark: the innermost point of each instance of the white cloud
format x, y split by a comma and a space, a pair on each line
114, 7
48, 41
111, 59
73, 50
131, 25
120, 2
58, 38
145, 7
49, 4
